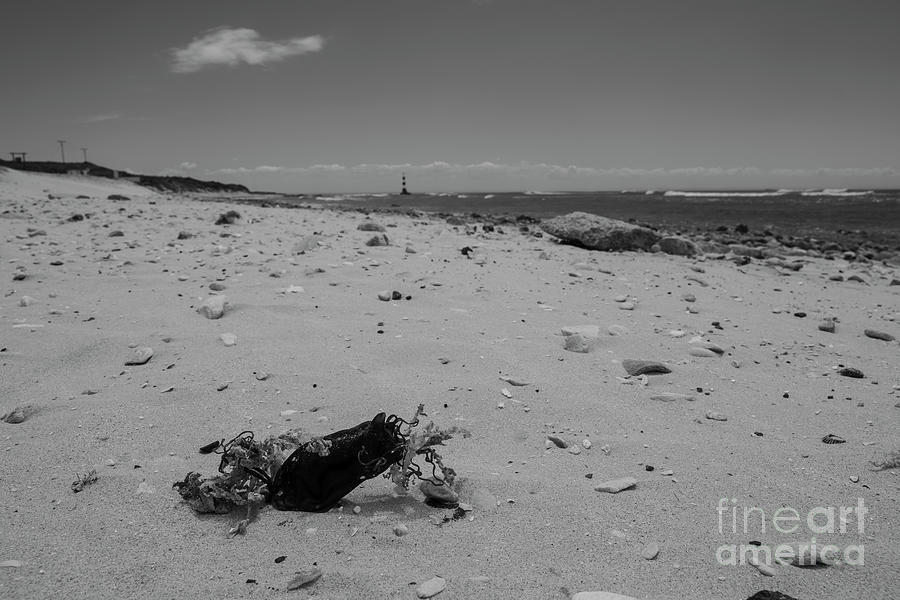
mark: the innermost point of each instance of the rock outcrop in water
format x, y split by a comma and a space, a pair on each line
599, 233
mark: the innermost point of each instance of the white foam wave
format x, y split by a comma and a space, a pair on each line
835, 192
726, 194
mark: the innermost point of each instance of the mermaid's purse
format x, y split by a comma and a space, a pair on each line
321, 472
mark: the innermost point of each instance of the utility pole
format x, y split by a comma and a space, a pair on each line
62, 149
84, 152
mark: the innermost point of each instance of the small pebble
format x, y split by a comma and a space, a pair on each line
432, 587
139, 356
614, 486
304, 577
650, 551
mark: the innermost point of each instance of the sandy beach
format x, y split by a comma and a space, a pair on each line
739, 426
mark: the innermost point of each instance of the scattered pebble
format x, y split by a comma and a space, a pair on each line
650, 551
139, 356
440, 494
875, 334
642, 367
432, 587
400, 530
851, 372
715, 416
304, 577
213, 307
827, 326
614, 486
228, 339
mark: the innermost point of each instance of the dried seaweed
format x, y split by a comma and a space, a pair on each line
247, 466
84, 480
891, 460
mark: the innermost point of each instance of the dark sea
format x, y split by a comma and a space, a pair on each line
812, 213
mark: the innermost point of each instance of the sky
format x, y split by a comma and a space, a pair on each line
335, 96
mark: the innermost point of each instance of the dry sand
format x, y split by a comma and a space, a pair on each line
499, 313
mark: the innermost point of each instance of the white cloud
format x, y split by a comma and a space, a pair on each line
187, 166
232, 47
100, 118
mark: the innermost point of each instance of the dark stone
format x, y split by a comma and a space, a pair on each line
879, 335
370, 226
117, 197
851, 372
599, 233
678, 246
770, 595
228, 218
644, 367
378, 240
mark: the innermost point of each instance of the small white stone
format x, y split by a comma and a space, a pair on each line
586, 443
432, 587
229, 339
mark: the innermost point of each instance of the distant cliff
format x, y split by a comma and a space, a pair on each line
156, 182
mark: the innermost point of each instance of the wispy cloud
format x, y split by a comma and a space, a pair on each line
232, 47
100, 118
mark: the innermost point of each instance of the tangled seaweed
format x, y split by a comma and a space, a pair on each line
248, 468
889, 461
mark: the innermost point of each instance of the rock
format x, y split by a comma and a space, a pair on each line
440, 494
139, 356
384, 296
701, 352
26, 301
827, 326
614, 486
580, 343
851, 372
185, 235
304, 577
432, 587
879, 335
585, 330
678, 246
672, 397
558, 441
400, 530
599, 233
213, 307
770, 595
626, 305
715, 416
305, 244
370, 226
217, 286
228, 218
689, 297
10, 564
378, 240
19, 414
650, 551
229, 339
644, 367
600, 596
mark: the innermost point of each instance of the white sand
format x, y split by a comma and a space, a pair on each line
499, 314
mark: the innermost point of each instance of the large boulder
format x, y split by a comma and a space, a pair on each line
678, 246
599, 233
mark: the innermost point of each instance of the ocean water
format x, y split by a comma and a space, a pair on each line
823, 213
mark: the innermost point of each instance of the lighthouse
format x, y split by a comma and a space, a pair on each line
404, 192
